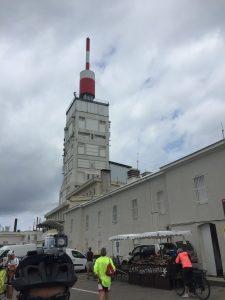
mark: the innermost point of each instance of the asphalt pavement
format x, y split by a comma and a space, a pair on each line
87, 290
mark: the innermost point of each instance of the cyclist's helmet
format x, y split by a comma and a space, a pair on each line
179, 250
11, 253
44, 270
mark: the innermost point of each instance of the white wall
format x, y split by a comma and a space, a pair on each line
98, 236
182, 210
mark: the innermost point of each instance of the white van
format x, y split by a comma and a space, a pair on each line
79, 260
20, 250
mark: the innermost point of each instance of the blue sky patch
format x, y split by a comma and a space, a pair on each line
174, 145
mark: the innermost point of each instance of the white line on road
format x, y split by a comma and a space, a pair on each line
87, 291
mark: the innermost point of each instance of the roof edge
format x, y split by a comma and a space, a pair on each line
193, 155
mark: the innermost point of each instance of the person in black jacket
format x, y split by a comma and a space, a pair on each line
89, 266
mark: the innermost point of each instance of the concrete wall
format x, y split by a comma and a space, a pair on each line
165, 199
10, 238
23, 237
181, 192
185, 210
97, 234
118, 173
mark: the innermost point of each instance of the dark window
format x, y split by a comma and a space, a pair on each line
136, 250
77, 254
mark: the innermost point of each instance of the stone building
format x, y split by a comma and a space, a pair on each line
187, 194
94, 187
20, 237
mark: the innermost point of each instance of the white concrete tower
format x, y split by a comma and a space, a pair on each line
86, 136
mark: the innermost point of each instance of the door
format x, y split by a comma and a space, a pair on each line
211, 252
216, 250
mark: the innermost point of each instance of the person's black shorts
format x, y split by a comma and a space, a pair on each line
102, 288
187, 275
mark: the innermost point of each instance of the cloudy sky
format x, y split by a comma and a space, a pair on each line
160, 64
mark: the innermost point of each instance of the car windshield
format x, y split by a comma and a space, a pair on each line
147, 248
3, 252
77, 254
136, 250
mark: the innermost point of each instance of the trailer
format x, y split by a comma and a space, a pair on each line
156, 272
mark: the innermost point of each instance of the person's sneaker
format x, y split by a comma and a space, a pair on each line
185, 295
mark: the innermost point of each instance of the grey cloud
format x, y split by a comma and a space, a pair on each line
178, 45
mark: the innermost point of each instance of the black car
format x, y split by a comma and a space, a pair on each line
141, 251
171, 248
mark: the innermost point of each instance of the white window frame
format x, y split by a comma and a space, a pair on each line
160, 202
134, 209
114, 214
200, 189
71, 225
99, 218
87, 222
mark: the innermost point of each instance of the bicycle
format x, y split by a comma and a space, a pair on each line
121, 271
199, 284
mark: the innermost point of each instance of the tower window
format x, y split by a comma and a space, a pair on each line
83, 163
102, 126
92, 124
102, 151
81, 122
80, 148
99, 137
92, 150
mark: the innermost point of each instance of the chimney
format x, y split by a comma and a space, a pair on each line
133, 175
36, 224
15, 225
106, 180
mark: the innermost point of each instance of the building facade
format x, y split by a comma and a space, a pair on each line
94, 187
20, 237
184, 195
86, 146
119, 172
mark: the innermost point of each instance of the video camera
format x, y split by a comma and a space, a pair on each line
55, 243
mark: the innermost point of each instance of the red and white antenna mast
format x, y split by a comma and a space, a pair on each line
87, 54
87, 77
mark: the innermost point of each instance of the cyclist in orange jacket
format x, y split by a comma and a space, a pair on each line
183, 258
